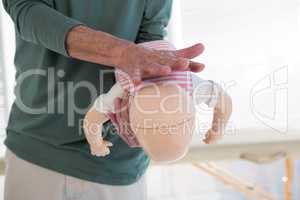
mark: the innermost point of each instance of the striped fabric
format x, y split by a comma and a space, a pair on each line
180, 78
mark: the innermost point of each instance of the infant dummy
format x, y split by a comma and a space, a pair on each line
161, 112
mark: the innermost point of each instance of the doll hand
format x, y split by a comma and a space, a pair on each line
211, 137
101, 149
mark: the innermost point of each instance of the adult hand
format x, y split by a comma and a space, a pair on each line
138, 61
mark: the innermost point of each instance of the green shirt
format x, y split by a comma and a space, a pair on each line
56, 86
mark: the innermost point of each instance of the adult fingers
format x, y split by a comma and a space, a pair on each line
191, 52
196, 67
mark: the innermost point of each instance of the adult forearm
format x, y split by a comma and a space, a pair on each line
95, 46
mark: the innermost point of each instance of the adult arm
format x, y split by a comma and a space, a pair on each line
137, 61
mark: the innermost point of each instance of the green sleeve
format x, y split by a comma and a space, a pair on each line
155, 20
38, 22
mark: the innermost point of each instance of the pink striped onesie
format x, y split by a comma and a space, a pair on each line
201, 90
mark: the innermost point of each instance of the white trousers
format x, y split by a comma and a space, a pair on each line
24, 180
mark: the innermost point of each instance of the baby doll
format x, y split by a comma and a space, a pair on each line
161, 112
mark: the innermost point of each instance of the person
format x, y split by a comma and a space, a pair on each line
161, 120
65, 55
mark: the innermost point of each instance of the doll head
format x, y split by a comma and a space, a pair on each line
162, 118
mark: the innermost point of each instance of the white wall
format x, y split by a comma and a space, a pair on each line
247, 41
7, 29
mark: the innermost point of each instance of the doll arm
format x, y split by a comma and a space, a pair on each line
222, 113
214, 96
96, 117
